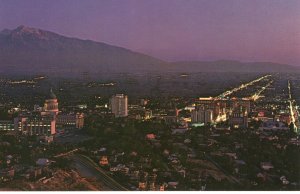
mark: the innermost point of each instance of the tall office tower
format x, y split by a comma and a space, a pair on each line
194, 115
236, 103
119, 105
208, 116
239, 118
202, 115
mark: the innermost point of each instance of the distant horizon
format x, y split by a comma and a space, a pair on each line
172, 30
176, 61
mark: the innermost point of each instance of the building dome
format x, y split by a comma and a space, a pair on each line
51, 103
51, 95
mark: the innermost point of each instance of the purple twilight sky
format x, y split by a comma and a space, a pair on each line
246, 30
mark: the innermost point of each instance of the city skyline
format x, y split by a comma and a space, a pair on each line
172, 30
139, 95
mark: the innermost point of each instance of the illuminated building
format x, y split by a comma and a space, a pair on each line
119, 105
6, 125
285, 118
202, 115
237, 102
218, 106
44, 123
62, 121
239, 118
51, 104
70, 121
35, 125
148, 114
194, 116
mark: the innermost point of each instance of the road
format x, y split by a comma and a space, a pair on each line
66, 153
293, 119
89, 167
229, 92
233, 179
256, 95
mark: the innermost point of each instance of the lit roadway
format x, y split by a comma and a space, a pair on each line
293, 120
88, 165
229, 92
66, 153
230, 177
257, 94
253, 97
97, 172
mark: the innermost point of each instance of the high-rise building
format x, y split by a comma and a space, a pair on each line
202, 115
208, 116
239, 118
119, 105
218, 106
237, 102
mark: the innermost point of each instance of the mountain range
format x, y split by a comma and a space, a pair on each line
32, 50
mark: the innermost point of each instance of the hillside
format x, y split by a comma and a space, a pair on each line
31, 50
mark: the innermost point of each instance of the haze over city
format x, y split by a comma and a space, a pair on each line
172, 30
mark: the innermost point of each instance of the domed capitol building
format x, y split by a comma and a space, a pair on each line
51, 104
48, 120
